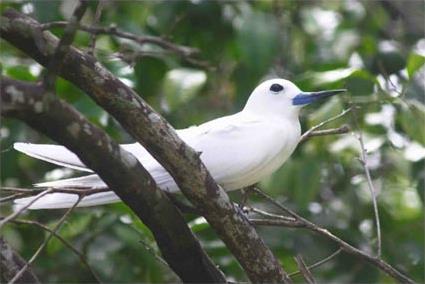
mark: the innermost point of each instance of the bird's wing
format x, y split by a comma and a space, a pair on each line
236, 149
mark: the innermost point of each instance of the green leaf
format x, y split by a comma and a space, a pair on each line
198, 224
360, 83
149, 74
20, 72
388, 62
412, 120
414, 63
46, 11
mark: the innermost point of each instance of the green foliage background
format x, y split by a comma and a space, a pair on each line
374, 49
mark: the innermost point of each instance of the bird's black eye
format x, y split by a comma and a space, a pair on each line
276, 88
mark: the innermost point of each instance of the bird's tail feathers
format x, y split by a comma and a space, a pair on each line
58, 200
55, 154
89, 181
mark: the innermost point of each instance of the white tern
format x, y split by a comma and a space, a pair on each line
238, 150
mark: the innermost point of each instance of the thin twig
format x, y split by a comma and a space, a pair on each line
317, 126
43, 245
64, 45
64, 241
363, 161
306, 273
185, 52
21, 190
11, 197
318, 263
275, 222
96, 19
340, 130
267, 214
112, 30
131, 57
376, 261
31, 191
18, 212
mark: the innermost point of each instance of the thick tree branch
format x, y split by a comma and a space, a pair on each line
160, 139
11, 263
118, 168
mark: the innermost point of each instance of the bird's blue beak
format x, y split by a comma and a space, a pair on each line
309, 97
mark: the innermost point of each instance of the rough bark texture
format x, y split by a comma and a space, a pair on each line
159, 138
11, 263
120, 170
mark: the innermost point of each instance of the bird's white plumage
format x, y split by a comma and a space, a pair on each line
238, 150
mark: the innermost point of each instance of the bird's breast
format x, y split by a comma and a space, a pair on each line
269, 150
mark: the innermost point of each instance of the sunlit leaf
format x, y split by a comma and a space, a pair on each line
20, 72
414, 63
412, 119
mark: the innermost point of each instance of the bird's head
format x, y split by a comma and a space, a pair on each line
280, 97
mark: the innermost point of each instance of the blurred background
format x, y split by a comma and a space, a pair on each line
375, 49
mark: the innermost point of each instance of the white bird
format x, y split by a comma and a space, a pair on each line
238, 150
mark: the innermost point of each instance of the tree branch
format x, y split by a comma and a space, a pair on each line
306, 273
20, 210
11, 263
45, 242
98, 13
160, 139
304, 223
120, 171
309, 132
363, 161
318, 263
332, 131
183, 51
82, 258
63, 46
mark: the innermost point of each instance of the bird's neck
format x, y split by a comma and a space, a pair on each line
290, 115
